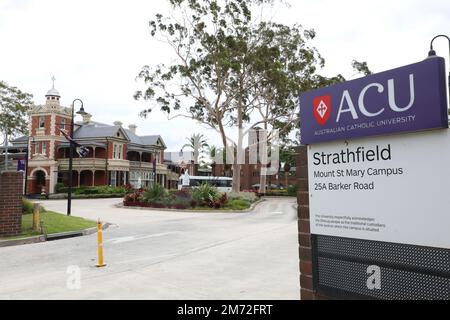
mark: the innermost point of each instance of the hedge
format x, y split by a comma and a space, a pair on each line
60, 196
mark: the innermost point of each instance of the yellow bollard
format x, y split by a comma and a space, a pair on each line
37, 217
100, 245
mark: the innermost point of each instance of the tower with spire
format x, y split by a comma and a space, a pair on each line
53, 95
45, 136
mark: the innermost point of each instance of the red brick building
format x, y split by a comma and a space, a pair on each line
117, 155
251, 172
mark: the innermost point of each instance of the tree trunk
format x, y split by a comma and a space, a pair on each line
236, 177
237, 164
263, 156
262, 181
286, 179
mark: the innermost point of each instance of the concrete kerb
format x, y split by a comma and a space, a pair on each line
20, 241
252, 207
51, 237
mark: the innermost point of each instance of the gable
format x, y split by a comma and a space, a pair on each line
121, 134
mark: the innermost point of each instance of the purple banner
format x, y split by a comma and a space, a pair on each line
406, 99
21, 164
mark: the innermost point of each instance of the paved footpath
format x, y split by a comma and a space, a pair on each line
162, 255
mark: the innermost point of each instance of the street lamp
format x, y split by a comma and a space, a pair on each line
432, 53
71, 143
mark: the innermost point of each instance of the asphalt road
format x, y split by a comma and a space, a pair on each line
162, 255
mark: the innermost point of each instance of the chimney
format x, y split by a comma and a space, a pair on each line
118, 124
87, 117
132, 128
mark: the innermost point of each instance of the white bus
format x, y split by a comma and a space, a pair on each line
223, 184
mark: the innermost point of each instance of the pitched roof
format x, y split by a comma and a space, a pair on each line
134, 138
152, 140
101, 130
94, 130
20, 139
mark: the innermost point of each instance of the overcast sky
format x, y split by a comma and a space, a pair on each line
96, 48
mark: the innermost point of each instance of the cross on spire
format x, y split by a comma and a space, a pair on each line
53, 79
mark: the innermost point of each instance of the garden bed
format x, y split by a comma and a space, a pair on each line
97, 192
250, 207
62, 196
203, 198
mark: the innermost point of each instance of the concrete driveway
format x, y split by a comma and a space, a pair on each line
162, 255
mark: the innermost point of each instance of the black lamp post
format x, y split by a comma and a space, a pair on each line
28, 156
432, 53
69, 193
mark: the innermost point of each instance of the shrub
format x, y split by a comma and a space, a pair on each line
193, 203
111, 190
129, 188
205, 194
183, 194
97, 196
27, 206
237, 204
92, 190
103, 190
136, 196
292, 190
181, 203
155, 193
247, 196
60, 188
219, 203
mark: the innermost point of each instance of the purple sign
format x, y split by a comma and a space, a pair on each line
21, 164
406, 99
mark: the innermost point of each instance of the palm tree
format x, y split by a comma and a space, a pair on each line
197, 142
212, 152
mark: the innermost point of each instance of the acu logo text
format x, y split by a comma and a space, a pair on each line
322, 105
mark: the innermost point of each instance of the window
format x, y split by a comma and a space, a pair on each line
34, 147
113, 178
63, 124
41, 122
44, 148
119, 151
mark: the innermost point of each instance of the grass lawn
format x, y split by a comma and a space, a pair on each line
53, 223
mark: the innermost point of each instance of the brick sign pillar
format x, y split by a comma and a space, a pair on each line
304, 233
11, 189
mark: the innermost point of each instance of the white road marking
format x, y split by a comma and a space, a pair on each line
134, 238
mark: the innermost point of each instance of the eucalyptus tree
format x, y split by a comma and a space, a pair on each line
232, 71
